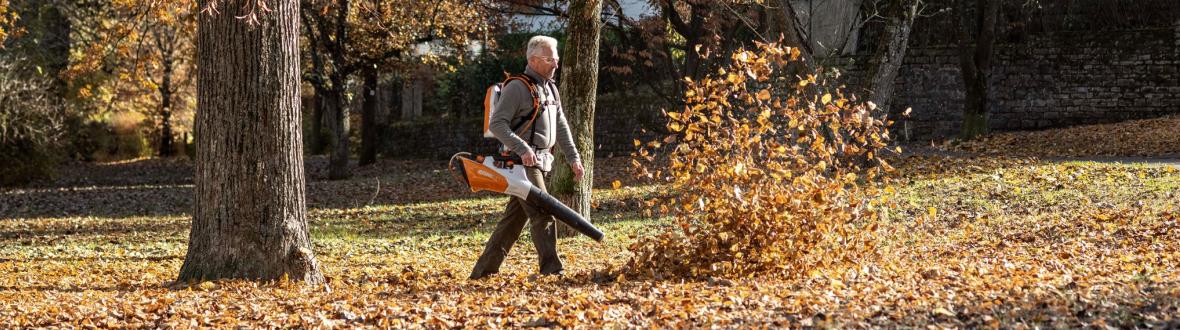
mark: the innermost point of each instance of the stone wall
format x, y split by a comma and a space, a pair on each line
1053, 80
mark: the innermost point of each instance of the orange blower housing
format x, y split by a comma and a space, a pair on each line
483, 174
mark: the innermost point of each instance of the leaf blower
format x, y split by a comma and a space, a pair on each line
502, 174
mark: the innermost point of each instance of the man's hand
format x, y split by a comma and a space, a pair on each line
529, 159
577, 167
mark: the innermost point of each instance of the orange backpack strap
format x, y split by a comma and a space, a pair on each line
528, 82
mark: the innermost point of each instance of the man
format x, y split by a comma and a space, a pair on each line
534, 145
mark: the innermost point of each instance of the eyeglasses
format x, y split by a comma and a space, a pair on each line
550, 60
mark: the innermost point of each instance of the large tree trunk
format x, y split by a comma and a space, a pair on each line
887, 59
579, 86
784, 22
975, 63
249, 219
369, 136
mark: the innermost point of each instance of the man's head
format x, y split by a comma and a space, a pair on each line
542, 56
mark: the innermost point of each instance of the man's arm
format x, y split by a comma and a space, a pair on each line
514, 94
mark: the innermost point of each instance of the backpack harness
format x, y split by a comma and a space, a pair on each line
493, 94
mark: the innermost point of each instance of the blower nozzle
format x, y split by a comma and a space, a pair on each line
504, 174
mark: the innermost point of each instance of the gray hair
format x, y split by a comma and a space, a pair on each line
535, 44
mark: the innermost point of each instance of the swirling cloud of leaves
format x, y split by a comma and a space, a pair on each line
771, 174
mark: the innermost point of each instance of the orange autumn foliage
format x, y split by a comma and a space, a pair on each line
7, 20
770, 174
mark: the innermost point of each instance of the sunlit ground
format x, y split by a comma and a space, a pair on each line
971, 243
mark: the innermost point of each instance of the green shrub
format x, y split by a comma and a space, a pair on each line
461, 93
100, 141
84, 138
114, 145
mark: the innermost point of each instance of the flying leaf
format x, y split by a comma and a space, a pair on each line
764, 95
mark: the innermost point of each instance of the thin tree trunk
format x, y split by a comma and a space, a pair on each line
369, 137
692, 59
319, 106
46, 41
975, 64
316, 142
249, 219
165, 89
891, 52
386, 97
55, 44
338, 117
579, 88
166, 148
338, 162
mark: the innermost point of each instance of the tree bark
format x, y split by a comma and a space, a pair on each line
975, 63
369, 136
316, 143
888, 57
47, 40
316, 77
338, 162
338, 118
59, 49
166, 148
249, 219
579, 87
165, 89
784, 22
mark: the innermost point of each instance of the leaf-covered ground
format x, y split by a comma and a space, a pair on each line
1145, 137
973, 242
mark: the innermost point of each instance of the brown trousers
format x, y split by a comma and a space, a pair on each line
541, 226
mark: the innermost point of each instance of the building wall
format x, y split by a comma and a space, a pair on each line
1057, 79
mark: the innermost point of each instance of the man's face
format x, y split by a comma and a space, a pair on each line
545, 62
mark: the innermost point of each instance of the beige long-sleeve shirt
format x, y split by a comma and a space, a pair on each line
515, 106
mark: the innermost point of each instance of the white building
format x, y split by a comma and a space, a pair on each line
632, 9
